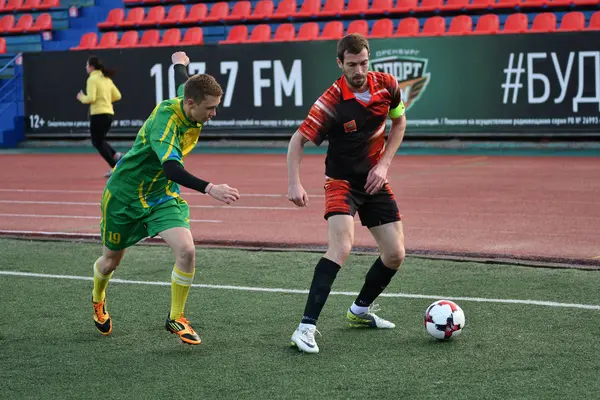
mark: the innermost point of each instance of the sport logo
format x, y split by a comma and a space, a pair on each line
411, 73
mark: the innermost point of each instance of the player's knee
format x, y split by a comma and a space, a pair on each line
340, 251
110, 263
393, 259
187, 255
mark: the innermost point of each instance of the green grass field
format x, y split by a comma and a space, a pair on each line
50, 349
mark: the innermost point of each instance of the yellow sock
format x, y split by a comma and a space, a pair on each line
180, 286
100, 283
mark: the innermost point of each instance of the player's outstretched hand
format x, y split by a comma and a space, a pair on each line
179, 57
298, 196
224, 193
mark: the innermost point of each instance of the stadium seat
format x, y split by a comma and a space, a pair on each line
29, 5
108, 40
572, 21
308, 31
506, 4
237, 34
560, 3
25, 22
171, 37
594, 24
197, 13
113, 19
150, 38
455, 5
175, 15
333, 30
359, 26
155, 16
487, 24
128, 40
43, 23
355, 7
7, 23
534, 3
332, 8
404, 6
382, 28
240, 11
193, 37
408, 27
2, 45
88, 41
309, 8
460, 25
434, 26
430, 5
218, 12
263, 10
579, 3
47, 4
481, 5
515, 23
134, 17
380, 7
284, 33
543, 22
285, 9
13, 4
260, 34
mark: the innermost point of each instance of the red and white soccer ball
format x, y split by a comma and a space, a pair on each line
444, 319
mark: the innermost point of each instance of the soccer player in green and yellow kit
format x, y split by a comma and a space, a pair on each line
141, 198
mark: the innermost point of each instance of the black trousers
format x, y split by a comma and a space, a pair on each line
99, 127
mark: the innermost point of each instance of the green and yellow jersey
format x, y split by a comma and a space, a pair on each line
168, 134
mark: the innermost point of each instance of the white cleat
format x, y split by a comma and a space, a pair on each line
304, 338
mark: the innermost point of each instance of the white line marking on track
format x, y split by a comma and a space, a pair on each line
298, 291
78, 203
216, 221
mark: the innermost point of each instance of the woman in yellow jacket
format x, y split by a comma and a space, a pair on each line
101, 92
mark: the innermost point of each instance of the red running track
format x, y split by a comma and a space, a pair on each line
529, 208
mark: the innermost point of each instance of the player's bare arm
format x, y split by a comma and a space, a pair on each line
378, 174
296, 192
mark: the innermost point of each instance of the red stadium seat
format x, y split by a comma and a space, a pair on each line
382, 28
515, 23
29, 5
193, 37
150, 38
260, 34
579, 3
197, 13
237, 34
114, 18
455, 5
572, 21
594, 24
544, 22
331, 8
534, 3
155, 16
285, 9
88, 41
284, 33
240, 11
2, 45
434, 26
359, 26
309, 8
405, 6
13, 4
460, 25
171, 37
408, 27
128, 40
7, 23
333, 30
176, 14
262, 11
430, 5
25, 22
487, 24
218, 12
356, 7
43, 23
108, 40
560, 3
47, 4
506, 4
380, 7
134, 17
481, 4
308, 31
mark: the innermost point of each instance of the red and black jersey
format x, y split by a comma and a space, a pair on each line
355, 130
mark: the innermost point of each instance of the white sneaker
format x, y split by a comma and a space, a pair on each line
304, 338
368, 319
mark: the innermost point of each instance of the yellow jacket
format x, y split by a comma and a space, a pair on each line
101, 92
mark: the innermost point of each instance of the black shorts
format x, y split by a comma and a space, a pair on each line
342, 198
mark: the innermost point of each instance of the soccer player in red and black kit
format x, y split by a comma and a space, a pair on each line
351, 114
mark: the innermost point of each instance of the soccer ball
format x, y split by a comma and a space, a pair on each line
444, 319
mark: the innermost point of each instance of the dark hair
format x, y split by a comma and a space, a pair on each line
353, 43
95, 62
199, 86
